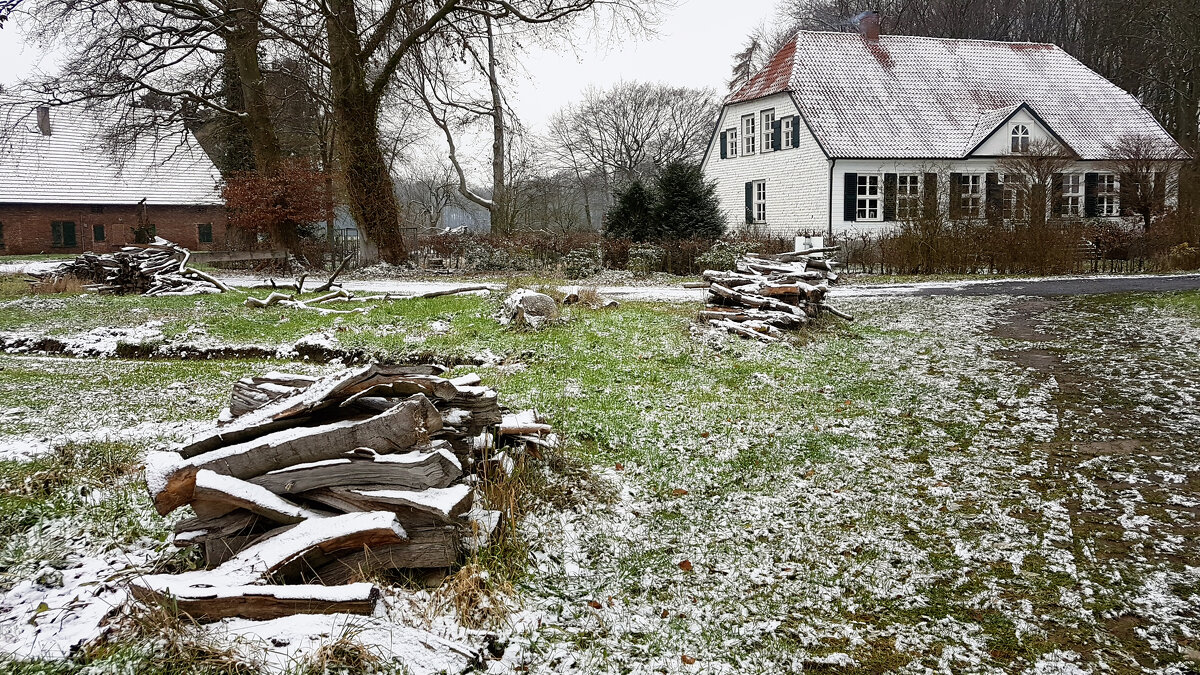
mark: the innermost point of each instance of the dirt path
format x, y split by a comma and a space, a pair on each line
1123, 468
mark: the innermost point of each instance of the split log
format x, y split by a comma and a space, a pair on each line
367, 469
423, 508
229, 494
263, 603
404, 426
325, 393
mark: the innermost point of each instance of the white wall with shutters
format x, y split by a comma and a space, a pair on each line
842, 228
797, 178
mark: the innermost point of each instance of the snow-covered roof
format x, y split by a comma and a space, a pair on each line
71, 166
921, 97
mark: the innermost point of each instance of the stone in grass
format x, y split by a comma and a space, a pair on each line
529, 308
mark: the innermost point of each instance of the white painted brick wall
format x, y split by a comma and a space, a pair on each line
797, 178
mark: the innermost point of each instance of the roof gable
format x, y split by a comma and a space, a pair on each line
918, 97
71, 166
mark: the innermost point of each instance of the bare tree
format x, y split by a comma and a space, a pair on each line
1030, 182
1145, 167
636, 128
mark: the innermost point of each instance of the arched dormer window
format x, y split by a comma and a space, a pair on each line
1020, 138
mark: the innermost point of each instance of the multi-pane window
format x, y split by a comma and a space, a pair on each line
787, 133
1108, 195
62, 234
1013, 206
97, 233
731, 143
908, 196
768, 130
749, 134
204, 233
1020, 138
868, 197
1072, 194
759, 203
970, 195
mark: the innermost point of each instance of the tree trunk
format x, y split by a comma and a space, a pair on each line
369, 188
243, 46
501, 218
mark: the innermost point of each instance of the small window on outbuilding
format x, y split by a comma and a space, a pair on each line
1020, 138
98, 209
204, 233
97, 233
1, 235
62, 234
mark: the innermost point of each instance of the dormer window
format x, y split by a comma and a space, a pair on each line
1020, 138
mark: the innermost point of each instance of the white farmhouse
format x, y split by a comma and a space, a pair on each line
846, 133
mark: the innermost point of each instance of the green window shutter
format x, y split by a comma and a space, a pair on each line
889, 197
749, 202
777, 135
97, 233
69, 240
1090, 187
796, 131
850, 198
993, 198
724, 142
1129, 193
956, 189
1160, 192
929, 195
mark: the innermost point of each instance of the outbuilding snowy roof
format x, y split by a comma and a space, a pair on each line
71, 166
920, 97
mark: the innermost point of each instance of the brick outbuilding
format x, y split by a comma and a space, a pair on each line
62, 190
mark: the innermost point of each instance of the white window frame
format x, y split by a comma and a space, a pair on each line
758, 202
731, 143
868, 199
1019, 138
786, 129
768, 130
908, 196
1072, 194
749, 135
1108, 195
970, 195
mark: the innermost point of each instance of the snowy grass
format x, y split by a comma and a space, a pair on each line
952, 484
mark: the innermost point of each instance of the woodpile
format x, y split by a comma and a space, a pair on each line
308, 487
157, 268
765, 295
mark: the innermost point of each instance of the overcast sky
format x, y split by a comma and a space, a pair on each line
693, 47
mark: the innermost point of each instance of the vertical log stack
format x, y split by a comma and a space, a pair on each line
767, 294
320, 483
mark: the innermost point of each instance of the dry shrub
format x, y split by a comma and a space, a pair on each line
939, 246
277, 204
590, 296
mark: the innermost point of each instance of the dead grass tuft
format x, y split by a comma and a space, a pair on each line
478, 596
590, 296
344, 655
70, 285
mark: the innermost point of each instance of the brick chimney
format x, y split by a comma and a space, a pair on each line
868, 25
43, 118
